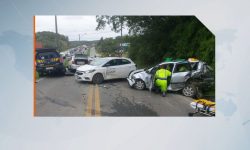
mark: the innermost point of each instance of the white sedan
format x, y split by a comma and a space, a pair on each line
104, 69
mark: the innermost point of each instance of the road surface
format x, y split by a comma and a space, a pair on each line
63, 96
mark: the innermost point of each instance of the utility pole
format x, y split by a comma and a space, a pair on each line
121, 21
56, 31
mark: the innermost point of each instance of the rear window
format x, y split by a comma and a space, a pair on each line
47, 55
124, 62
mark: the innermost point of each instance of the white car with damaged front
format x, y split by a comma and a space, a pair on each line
106, 68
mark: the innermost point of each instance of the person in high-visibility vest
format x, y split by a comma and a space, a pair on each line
161, 79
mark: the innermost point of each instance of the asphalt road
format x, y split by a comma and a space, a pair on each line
63, 96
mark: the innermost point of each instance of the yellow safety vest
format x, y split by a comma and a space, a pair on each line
162, 74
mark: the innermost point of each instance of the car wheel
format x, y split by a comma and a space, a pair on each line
62, 72
139, 85
189, 90
97, 78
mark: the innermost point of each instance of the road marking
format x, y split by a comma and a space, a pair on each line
97, 101
89, 103
39, 80
93, 103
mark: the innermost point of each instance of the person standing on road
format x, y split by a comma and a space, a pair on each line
161, 79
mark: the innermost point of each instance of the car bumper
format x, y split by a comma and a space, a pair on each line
83, 77
74, 66
52, 68
131, 82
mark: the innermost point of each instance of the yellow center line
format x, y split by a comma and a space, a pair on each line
97, 101
89, 103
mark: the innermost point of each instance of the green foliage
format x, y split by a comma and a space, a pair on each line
37, 75
110, 46
154, 38
117, 22
73, 44
53, 40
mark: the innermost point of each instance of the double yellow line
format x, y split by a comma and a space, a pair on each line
93, 103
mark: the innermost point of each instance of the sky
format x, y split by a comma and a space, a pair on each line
73, 26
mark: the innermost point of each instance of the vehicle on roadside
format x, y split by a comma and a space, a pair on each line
187, 76
105, 69
77, 60
201, 82
48, 61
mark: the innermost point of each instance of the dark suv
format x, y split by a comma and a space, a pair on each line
48, 61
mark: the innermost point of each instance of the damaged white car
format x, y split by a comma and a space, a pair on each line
188, 76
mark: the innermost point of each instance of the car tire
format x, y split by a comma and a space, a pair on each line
189, 90
97, 78
63, 71
139, 84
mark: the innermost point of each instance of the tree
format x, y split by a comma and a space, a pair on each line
154, 38
116, 22
48, 40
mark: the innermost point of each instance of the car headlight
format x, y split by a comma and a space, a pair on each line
90, 71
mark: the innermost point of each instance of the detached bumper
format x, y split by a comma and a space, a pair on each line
131, 82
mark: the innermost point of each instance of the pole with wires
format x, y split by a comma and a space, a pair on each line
56, 32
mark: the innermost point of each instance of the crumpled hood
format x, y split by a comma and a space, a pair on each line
136, 71
86, 68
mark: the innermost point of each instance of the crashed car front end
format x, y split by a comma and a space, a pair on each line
140, 74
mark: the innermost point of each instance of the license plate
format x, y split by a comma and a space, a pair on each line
49, 68
80, 63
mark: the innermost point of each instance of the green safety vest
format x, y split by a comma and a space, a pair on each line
162, 74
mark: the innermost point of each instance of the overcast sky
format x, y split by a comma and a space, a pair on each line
72, 26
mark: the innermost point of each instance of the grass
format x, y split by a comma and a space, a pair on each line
37, 75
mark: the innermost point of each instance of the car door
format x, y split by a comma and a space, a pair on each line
181, 72
150, 78
207, 76
152, 71
125, 67
111, 69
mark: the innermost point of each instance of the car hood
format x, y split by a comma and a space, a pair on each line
135, 72
140, 74
86, 67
